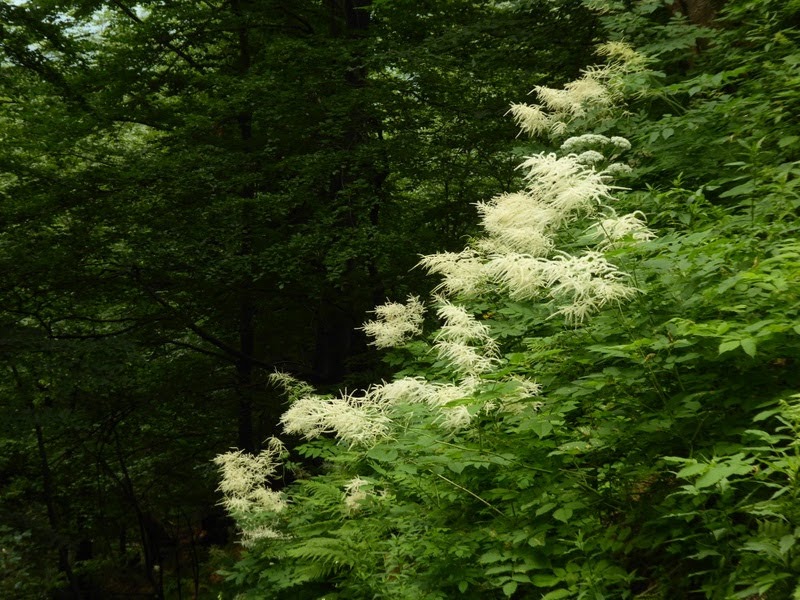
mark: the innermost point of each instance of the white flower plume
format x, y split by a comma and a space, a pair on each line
351, 419
244, 477
613, 230
355, 493
251, 536
291, 385
462, 271
395, 323
464, 341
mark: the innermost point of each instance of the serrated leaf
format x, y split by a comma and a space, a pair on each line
562, 514
509, 588
786, 543
728, 346
714, 475
545, 580
692, 470
557, 594
490, 557
749, 346
740, 190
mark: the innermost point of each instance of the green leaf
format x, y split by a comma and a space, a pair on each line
490, 557
545, 580
728, 346
740, 190
563, 514
541, 427
383, 454
462, 586
786, 542
749, 346
691, 470
509, 588
557, 594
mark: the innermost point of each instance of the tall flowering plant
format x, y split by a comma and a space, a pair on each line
545, 245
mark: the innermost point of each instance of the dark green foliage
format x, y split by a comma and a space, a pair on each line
192, 194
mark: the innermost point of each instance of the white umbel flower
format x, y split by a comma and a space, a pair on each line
586, 141
590, 157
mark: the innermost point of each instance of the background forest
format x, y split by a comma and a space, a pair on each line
195, 195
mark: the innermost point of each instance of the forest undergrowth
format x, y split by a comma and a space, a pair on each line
601, 399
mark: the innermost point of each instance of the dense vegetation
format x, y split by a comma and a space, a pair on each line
601, 399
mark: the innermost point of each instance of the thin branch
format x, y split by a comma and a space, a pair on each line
163, 42
473, 494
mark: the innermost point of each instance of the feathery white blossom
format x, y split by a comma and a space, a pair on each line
464, 341
407, 389
450, 392
587, 282
622, 56
455, 418
520, 221
521, 276
243, 477
615, 229
291, 385
395, 323
517, 401
462, 271
564, 184
464, 358
355, 494
575, 97
350, 419
531, 119
251, 536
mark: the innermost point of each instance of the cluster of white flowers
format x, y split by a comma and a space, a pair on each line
596, 89
622, 57
464, 341
355, 493
354, 420
294, 388
587, 283
614, 229
462, 271
252, 535
244, 477
396, 322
